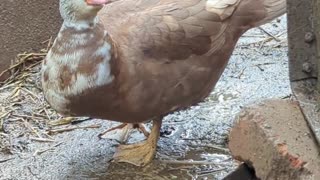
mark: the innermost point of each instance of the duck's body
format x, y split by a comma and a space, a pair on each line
144, 59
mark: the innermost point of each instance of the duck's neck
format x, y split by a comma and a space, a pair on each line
81, 36
80, 24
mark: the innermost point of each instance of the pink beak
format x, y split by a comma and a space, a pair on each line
98, 2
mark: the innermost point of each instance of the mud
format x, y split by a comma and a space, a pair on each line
193, 142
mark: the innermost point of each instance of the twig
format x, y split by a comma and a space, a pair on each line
62, 121
241, 73
77, 121
185, 162
31, 93
49, 41
204, 173
47, 114
187, 167
224, 150
269, 34
33, 174
26, 116
24, 59
10, 85
42, 139
73, 128
2, 116
258, 66
28, 125
5, 160
67, 120
38, 152
262, 42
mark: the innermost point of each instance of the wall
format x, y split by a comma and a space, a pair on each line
24, 24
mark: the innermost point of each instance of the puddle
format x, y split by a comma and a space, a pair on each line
201, 163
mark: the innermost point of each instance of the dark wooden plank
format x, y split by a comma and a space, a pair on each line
304, 58
301, 37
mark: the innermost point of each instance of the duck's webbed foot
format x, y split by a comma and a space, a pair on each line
141, 153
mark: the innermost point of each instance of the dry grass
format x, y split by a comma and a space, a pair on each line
23, 110
24, 113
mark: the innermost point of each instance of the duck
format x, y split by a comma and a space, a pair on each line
133, 61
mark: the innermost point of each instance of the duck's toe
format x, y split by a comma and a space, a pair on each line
119, 133
137, 154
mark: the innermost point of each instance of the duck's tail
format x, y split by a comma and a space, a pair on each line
247, 13
274, 9
253, 13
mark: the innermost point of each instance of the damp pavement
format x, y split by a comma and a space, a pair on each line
193, 143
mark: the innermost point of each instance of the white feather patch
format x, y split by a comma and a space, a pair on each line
224, 8
79, 82
220, 4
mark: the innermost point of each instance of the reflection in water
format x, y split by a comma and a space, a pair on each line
200, 163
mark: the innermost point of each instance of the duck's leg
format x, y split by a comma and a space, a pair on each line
126, 129
141, 153
142, 128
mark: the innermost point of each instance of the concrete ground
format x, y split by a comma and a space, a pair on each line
193, 141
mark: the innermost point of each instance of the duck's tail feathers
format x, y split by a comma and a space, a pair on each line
274, 8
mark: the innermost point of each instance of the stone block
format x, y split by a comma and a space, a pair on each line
274, 138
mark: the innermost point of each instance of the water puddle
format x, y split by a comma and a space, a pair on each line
198, 163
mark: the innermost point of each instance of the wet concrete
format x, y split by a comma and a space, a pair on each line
187, 149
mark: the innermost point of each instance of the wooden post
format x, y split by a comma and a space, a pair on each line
316, 21
304, 58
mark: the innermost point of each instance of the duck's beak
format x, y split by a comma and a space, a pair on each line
98, 2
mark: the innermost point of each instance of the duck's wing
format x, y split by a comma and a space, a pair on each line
175, 30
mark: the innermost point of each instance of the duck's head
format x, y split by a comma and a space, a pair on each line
81, 10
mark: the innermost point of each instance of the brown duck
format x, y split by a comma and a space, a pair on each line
136, 60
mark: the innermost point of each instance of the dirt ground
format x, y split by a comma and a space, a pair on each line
193, 143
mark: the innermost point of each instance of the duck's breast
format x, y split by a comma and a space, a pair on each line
78, 62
